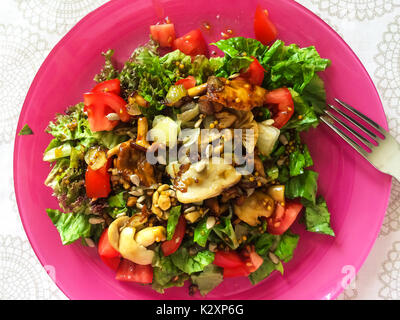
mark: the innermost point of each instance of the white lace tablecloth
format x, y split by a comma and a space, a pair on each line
30, 28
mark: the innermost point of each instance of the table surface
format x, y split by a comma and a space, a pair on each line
29, 29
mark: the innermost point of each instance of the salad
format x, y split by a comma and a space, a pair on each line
183, 167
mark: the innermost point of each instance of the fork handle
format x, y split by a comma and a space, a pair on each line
388, 159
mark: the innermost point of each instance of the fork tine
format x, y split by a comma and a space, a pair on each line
329, 122
365, 118
359, 136
372, 135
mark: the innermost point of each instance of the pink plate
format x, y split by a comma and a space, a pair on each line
356, 193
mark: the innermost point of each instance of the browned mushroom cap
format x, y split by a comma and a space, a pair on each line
252, 208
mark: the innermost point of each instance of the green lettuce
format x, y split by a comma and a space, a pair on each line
317, 217
265, 270
109, 71
191, 264
71, 226
208, 279
201, 232
302, 186
165, 273
173, 219
286, 246
26, 130
238, 54
291, 66
224, 230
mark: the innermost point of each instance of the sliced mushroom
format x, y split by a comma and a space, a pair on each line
257, 205
225, 119
142, 130
208, 183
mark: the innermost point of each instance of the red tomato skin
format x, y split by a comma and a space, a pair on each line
192, 43
292, 210
132, 272
282, 106
188, 82
112, 263
230, 259
98, 182
170, 246
164, 34
113, 86
104, 248
109, 99
264, 30
255, 73
236, 272
97, 118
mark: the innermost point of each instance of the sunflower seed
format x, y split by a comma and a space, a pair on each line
136, 192
96, 220
141, 199
210, 222
273, 257
113, 117
90, 242
135, 179
190, 209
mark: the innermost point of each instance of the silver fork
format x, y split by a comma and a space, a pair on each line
384, 156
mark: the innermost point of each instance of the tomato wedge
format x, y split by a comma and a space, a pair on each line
113, 86
97, 118
132, 272
188, 82
279, 222
191, 43
164, 34
230, 259
98, 181
104, 248
255, 73
170, 246
115, 102
108, 254
251, 258
236, 272
264, 29
281, 104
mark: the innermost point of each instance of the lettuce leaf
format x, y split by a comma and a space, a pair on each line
152, 76
302, 186
208, 279
109, 71
201, 232
317, 217
173, 219
224, 230
286, 246
265, 270
70, 226
191, 264
26, 130
165, 273
238, 54
291, 66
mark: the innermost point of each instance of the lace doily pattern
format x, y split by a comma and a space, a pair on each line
390, 277
56, 16
357, 9
22, 277
21, 53
388, 70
